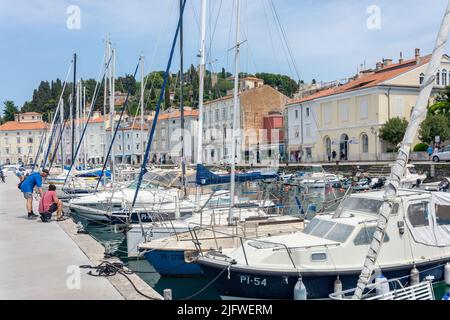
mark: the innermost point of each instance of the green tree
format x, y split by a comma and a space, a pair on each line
282, 83
394, 131
167, 95
433, 126
128, 83
9, 111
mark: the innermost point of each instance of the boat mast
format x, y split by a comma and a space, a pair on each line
84, 121
77, 112
183, 160
236, 111
105, 96
397, 171
111, 105
61, 119
74, 89
201, 94
142, 60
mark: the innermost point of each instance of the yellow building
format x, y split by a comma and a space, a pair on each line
347, 118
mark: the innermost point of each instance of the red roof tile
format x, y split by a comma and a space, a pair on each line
19, 126
368, 81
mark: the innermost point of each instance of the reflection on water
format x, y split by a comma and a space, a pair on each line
288, 199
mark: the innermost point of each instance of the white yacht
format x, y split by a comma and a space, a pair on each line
334, 247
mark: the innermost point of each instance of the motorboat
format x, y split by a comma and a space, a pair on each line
334, 247
315, 177
214, 212
174, 256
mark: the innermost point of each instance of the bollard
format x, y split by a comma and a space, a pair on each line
168, 294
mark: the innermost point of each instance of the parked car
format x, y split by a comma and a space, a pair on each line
443, 155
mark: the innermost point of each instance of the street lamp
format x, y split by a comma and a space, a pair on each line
375, 133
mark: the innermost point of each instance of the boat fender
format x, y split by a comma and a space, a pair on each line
382, 285
338, 286
414, 276
300, 292
447, 273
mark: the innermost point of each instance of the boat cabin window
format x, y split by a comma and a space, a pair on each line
418, 214
442, 215
395, 208
329, 230
340, 232
364, 237
359, 204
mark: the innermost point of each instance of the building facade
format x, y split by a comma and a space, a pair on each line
167, 143
20, 139
258, 105
347, 119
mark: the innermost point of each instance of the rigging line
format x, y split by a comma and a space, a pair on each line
50, 142
286, 40
96, 93
124, 107
209, 53
196, 18
249, 52
66, 112
283, 44
271, 37
60, 100
39, 149
158, 107
230, 34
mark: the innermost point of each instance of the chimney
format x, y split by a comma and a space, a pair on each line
417, 55
387, 62
401, 58
379, 66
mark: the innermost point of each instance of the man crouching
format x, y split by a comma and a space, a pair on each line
49, 204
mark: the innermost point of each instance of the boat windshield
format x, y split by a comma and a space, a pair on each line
146, 185
359, 204
329, 230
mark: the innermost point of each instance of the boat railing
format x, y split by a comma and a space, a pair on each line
194, 229
421, 291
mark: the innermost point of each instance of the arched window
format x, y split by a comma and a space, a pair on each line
438, 78
444, 77
365, 143
422, 77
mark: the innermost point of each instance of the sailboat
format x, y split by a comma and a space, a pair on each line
402, 234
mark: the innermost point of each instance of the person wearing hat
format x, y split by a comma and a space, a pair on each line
27, 187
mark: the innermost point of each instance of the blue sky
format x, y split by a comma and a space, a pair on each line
328, 38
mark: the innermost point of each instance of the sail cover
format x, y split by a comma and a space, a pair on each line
436, 229
206, 177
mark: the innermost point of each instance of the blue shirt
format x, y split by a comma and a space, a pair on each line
34, 180
430, 151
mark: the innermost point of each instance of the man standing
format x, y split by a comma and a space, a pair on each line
430, 151
27, 188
